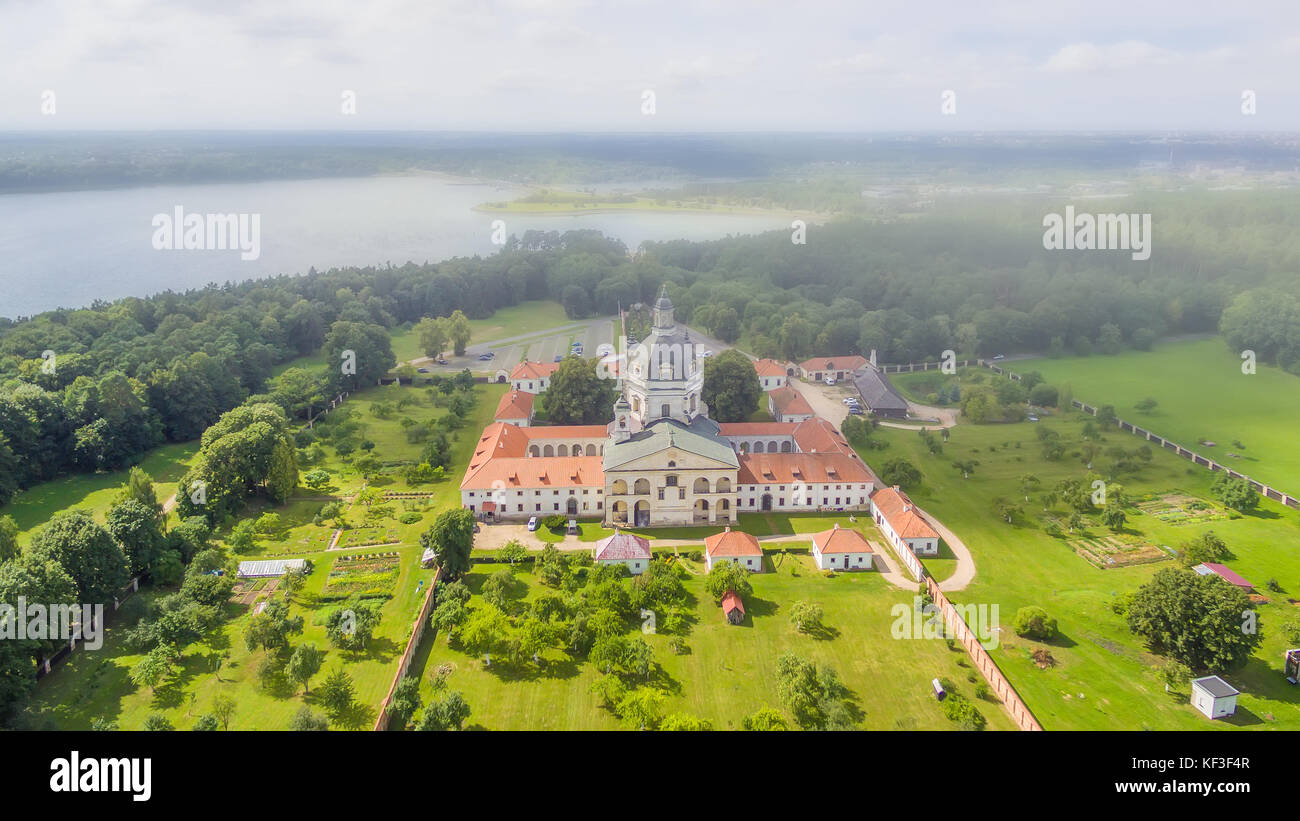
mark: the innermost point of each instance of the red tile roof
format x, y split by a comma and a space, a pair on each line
622, 546
533, 370
521, 472
841, 540
769, 367
730, 601
901, 514
809, 468
515, 405
566, 432
816, 435
732, 543
832, 363
757, 428
1224, 572
789, 401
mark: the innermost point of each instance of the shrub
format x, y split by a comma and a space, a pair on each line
1033, 623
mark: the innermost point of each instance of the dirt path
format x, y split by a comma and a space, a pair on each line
169, 505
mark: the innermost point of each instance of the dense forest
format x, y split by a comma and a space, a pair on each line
92, 389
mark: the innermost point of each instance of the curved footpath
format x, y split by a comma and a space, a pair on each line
494, 536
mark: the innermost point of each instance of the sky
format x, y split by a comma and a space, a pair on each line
711, 65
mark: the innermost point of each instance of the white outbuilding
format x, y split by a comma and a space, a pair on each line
1214, 696
626, 549
841, 549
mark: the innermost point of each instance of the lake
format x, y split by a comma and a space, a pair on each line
73, 247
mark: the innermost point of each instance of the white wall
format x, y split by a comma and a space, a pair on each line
842, 561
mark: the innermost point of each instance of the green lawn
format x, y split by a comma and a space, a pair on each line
95, 492
1202, 394
515, 320
729, 671
1104, 676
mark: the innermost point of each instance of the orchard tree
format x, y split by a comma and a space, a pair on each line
899, 471
578, 395
1223, 633
806, 616
451, 537
87, 551
459, 331
8, 539
434, 335
731, 388
135, 527
728, 576
305, 662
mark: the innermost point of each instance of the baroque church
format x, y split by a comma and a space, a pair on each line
662, 461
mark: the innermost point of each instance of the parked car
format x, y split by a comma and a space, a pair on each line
559, 359
850, 400
830, 380
442, 361
706, 353
856, 410
421, 370
532, 523
1033, 418
996, 357
484, 356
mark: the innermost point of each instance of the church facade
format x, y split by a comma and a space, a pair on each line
661, 461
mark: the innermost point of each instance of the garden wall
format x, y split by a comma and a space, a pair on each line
417, 633
1011, 701
1190, 455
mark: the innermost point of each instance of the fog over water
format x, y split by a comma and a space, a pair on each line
67, 249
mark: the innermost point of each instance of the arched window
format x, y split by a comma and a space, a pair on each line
701, 485
785, 446
548, 451
591, 450
758, 447
576, 450
642, 487
665, 411
563, 450
533, 450
771, 447
724, 486
618, 488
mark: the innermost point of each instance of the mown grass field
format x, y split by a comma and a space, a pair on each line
515, 320
729, 671
34, 506
1105, 676
1202, 394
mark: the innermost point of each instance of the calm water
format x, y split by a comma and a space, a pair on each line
71, 248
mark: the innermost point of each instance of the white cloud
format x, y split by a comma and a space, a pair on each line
1127, 55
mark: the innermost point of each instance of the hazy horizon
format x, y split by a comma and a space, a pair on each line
725, 66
